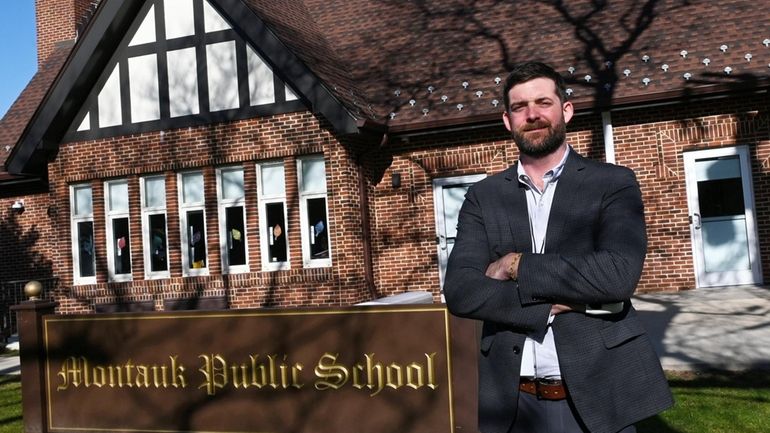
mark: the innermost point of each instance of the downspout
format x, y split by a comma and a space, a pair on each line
609, 141
363, 199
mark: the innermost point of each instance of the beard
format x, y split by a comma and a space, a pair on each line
541, 145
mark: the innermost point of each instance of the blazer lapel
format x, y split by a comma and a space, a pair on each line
565, 199
514, 206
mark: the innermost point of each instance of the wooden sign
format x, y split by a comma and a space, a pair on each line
359, 369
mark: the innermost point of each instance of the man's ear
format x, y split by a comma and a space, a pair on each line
568, 111
507, 121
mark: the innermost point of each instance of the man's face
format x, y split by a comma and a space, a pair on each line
536, 117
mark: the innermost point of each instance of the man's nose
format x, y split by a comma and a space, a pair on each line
532, 113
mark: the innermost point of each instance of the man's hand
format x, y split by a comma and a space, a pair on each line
501, 268
566, 308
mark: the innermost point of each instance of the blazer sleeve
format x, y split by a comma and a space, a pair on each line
608, 271
470, 293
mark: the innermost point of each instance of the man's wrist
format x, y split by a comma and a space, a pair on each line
513, 269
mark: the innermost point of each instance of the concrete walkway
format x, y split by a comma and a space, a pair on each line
725, 328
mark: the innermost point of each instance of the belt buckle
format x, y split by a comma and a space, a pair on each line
542, 394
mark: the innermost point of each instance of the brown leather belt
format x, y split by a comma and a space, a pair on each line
543, 389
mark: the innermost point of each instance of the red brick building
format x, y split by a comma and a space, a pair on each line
252, 153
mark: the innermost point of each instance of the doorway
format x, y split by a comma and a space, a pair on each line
448, 197
723, 227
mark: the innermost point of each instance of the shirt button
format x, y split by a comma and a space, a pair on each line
516, 350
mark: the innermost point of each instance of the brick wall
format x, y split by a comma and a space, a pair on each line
244, 143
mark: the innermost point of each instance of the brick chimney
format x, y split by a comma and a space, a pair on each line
59, 20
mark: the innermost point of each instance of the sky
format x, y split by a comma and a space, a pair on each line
18, 52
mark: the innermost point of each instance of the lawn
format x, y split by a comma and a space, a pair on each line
715, 403
10, 404
705, 403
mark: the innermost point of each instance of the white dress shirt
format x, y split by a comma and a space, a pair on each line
539, 358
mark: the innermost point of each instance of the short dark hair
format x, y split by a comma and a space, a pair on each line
526, 71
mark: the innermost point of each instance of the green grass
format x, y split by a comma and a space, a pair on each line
715, 403
705, 403
10, 404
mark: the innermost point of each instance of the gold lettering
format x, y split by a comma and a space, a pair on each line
258, 372
412, 370
71, 373
431, 371
395, 376
77, 371
330, 375
214, 369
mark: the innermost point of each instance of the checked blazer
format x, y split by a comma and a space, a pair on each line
595, 247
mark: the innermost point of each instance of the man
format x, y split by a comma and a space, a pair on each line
548, 254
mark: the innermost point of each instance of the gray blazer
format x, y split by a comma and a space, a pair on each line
595, 247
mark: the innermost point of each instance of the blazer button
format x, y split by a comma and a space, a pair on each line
516, 350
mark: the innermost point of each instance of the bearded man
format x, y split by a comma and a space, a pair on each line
548, 254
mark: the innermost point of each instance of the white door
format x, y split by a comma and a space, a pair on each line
722, 218
448, 196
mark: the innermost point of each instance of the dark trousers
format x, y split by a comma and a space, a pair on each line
548, 416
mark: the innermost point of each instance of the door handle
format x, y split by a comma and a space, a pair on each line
441, 241
695, 220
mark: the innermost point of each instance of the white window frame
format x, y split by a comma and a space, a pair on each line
305, 231
187, 269
110, 216
264, 230
74, 220
147, 212
222, 206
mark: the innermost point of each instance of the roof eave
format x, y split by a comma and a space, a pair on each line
70, 88
586, 106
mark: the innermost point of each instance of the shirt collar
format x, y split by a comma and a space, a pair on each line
551, 175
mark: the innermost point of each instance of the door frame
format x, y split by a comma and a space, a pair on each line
438, 214
693, 206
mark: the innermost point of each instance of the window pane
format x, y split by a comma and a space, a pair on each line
276, 232
273, 183
319, 228
118, 196
182, 82
146, 31
86, 249
232, 184
722, 197
196, 236
110, 113
143, 87
261, 84
236, 236
222, 75
157, 236
313, 175
83, 201
155, 192
192, 188
120, 239
179, 18
212, 20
